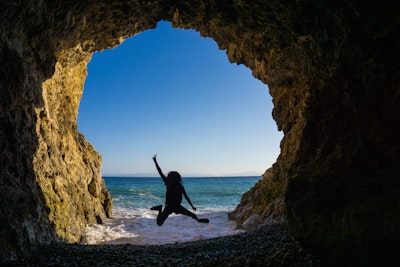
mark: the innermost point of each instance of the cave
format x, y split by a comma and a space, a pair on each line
333, 73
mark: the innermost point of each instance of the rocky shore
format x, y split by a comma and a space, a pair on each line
269, 246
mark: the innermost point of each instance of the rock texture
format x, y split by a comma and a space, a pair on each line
51, 185
333, 72
67, 168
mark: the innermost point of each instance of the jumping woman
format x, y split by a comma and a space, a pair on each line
175, 190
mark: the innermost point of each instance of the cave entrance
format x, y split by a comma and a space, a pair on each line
172, 92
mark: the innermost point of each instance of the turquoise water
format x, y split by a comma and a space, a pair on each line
208, 193
135, 223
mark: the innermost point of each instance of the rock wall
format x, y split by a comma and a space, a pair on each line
333, 72
67, 168
51, 185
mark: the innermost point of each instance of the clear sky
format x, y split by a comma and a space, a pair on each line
172, 92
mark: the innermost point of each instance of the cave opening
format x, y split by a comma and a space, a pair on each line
172, 92
325, 63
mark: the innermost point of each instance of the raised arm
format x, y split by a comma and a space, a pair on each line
159, 169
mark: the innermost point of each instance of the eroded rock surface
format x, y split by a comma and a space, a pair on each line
51, 185
333, 72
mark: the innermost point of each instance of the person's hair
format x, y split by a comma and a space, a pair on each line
175, 176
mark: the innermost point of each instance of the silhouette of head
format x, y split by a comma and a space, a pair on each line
175, 176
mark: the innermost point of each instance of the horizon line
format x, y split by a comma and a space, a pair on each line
183, 176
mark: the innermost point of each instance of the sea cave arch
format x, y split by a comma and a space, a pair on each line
174, 92
333, 73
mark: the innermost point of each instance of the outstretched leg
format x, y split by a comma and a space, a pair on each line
184, 211
162, 215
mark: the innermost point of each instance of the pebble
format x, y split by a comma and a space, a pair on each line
269, 246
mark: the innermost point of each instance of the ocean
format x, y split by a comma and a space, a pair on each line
134, 223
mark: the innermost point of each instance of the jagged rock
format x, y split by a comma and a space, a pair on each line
262, 205
333, 72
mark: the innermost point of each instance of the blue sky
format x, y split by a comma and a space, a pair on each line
172, 92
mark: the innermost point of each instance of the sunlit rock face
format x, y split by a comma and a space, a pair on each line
333, 73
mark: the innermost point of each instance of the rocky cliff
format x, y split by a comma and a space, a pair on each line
333, 72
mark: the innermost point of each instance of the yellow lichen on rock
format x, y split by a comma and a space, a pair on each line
67, 167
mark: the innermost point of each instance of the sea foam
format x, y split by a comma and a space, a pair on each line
135, 223
143, 230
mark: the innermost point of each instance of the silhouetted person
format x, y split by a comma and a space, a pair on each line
173, 200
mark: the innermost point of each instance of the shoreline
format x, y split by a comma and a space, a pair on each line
269, 246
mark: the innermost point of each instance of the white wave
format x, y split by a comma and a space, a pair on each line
103, 233
139, 227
